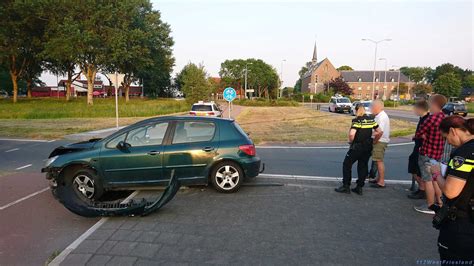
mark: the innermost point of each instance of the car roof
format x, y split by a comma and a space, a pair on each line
183, 117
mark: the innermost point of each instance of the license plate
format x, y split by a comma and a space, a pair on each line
201, 114
460, 113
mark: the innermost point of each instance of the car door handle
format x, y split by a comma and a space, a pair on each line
153, 152
208, 149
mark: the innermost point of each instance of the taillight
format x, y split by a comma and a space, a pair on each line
192, 113
210, 113
248, 149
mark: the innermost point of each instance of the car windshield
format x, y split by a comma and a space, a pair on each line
201, 107
459, 107
367, 104
343, 100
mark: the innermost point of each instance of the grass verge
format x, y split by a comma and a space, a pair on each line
300, 125
265, 102
50, 108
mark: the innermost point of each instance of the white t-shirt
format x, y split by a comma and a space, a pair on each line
384, 123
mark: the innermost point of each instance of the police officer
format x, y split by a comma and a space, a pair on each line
360, 138
456, 218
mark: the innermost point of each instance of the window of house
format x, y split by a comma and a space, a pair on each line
393, 80
376, 79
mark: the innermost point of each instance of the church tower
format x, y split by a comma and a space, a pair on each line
314, 61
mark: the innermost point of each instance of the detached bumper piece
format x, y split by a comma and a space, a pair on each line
134, 207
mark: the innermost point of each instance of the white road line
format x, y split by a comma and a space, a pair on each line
23, 167
324, 147
22, 199
323, 178
60, 258
15, 149
27, 140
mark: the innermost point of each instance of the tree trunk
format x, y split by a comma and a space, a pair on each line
15, 86
91, 72
68, 85
28, 88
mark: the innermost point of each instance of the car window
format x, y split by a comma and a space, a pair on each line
113, 143
343, 100
189, 131
147, 135
201, 107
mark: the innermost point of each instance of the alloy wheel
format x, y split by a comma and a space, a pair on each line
227, 177
84, 185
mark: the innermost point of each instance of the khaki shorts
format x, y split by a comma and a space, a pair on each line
378, 151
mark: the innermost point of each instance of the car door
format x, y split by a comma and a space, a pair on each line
140, 162
192, 148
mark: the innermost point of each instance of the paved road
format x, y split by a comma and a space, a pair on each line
398, 114
37, 226
33, 225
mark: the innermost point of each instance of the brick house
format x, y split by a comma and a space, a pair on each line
361, 83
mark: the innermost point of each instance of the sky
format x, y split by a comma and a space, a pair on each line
423, 33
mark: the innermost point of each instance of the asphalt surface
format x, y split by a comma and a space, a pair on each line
33, 225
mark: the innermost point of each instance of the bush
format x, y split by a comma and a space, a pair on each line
265, 102
317, 98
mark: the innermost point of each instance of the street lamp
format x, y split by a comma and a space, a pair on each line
375, 60
281, 77
384, 79
245, 86
398, 82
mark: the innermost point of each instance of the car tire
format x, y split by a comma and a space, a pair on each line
86, 184
227, 177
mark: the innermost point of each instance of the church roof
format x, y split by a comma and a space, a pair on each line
312, 68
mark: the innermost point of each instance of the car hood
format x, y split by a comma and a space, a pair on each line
74, 147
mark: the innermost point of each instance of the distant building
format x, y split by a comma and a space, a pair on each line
467, 94
318, 74
316, 79
361, 83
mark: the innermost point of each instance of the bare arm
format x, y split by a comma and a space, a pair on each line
452, 186
377, 134
352, 133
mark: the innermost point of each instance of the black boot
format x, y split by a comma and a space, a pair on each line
357, 190
343, 189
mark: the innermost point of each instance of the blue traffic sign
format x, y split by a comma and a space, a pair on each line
229, 94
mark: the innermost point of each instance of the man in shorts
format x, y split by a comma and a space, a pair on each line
380, 146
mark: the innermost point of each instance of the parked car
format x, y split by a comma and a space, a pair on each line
455, 108
201, 150
206, 109
339, 104
366, 105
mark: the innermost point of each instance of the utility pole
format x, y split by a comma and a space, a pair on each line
281, 78
384, 80
245, 86
375, 61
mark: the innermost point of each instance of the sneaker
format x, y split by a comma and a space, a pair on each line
424, 209
420, 194
343, 189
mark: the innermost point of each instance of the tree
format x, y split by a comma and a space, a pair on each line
468, 81
416, 74
421, 90
303, 70
403, 89
287, 92
338, 85
21, 32
448, 84
193, 82
344, 67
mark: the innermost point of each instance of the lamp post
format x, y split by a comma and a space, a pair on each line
384, 79
281, 78
375, 60
245, 86
116, 101
398, 83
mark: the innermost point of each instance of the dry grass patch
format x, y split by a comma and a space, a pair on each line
302, 125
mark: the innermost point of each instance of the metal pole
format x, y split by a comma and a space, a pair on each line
116, 101
281, 78
245, 89
375, 65
143, 88
229, 109
398, 86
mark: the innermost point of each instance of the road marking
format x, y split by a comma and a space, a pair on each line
324, 147
323, 178
60, 258
23, 167
15, 149
28, 140
22, 199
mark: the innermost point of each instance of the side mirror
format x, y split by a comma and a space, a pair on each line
122, 145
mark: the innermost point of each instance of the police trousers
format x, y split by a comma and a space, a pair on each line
361, 156
456, 242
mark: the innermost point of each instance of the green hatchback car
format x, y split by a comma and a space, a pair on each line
201, 150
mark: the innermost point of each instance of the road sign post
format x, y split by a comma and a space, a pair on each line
311, 98
229, 95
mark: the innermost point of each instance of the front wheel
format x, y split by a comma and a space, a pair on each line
86, 184
227, 177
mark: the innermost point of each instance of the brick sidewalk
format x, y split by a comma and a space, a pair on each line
302, 222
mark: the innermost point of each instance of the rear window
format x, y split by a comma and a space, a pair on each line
190, 131
459, 107
366, 104
201, 108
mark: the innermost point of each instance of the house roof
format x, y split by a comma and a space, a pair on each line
368, 76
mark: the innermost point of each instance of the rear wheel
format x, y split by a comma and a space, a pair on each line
86, 184
227, 177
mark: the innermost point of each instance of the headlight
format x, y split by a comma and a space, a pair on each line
51, 160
